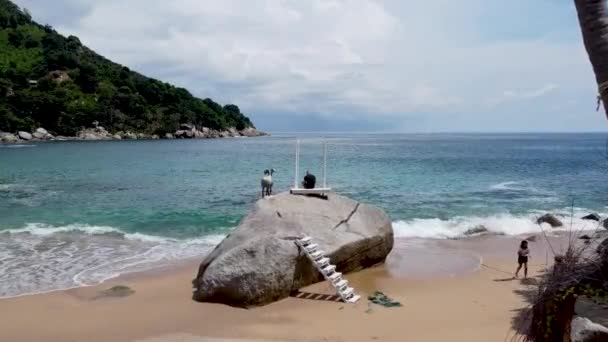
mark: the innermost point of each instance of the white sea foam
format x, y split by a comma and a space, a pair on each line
502, 224
40, 258
506, 186
17, 146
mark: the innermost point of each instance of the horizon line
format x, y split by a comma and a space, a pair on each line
437, 132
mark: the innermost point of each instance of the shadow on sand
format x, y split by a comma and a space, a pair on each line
520, 323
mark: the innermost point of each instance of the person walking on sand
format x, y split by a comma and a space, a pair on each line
522, 258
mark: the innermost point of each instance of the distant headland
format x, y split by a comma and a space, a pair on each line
53, 87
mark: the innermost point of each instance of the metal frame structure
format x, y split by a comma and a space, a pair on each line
296, 185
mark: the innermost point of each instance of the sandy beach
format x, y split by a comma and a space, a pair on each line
451, 290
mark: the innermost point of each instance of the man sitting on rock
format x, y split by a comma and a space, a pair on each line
309, 181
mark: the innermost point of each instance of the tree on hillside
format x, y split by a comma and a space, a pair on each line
56, 82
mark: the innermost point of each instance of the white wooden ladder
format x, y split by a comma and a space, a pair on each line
328, 270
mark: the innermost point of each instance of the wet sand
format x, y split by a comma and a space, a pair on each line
450, 290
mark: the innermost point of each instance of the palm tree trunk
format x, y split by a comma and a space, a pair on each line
593, 21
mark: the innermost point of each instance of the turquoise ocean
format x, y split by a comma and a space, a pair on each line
78, 213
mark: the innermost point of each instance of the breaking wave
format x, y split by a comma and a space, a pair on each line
40, 258
506, 224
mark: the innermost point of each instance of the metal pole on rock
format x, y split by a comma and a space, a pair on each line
324, 164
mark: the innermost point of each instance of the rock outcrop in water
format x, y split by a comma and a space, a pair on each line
186, 131
550, 219
592, 217
260, 263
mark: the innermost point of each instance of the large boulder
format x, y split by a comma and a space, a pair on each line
130, 136
260, 263
251, 132
38, 135
90, 136
8, 138
233, 132
42, 131
186, 127
24, 135
550, 219
584, 330
98, 133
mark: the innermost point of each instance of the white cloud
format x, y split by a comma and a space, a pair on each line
369, 58
521, 95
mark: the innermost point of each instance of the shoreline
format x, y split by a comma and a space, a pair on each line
451, 256
99, 133
477, 305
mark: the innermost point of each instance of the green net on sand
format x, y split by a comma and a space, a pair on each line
381, 299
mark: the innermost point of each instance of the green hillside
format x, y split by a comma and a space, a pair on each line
47, 80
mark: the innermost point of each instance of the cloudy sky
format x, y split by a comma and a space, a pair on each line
355, 65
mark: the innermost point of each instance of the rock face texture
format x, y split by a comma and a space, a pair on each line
584, 330
260, 263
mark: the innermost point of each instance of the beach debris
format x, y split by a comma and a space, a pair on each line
585, 237
382, 299
117, 291
592, 217
550, 219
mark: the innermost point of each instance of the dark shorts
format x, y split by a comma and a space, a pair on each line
522, 259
